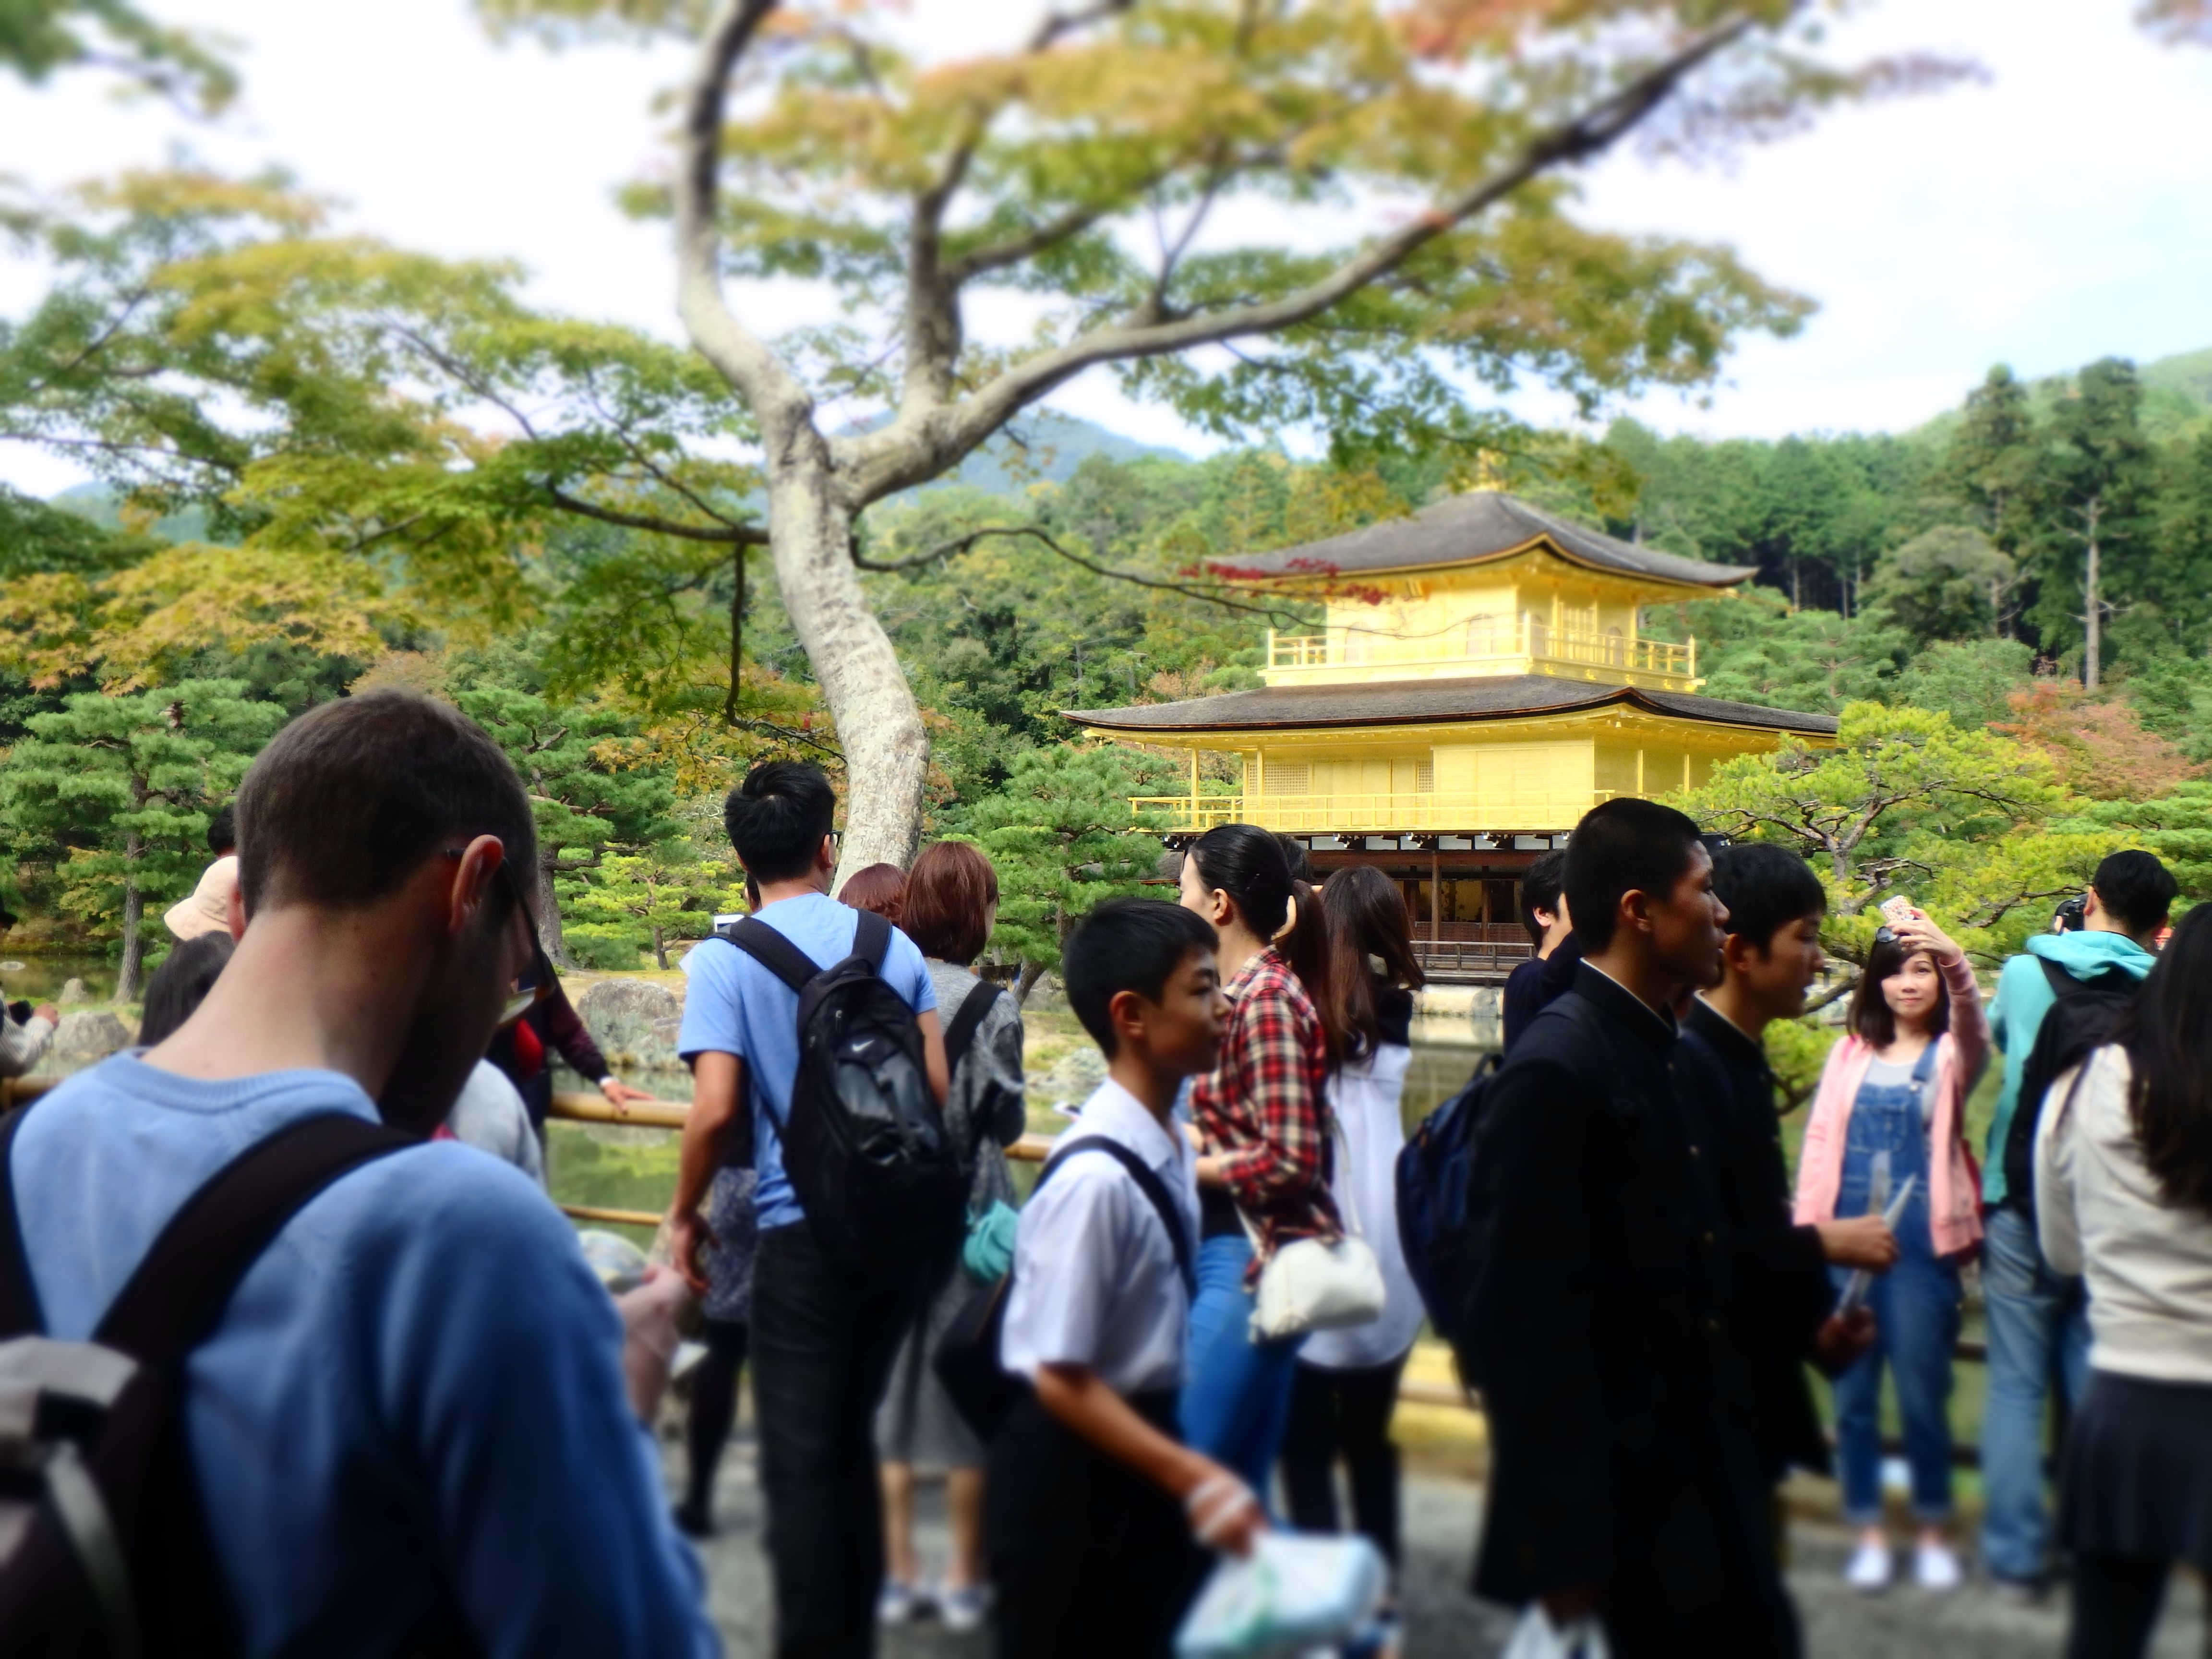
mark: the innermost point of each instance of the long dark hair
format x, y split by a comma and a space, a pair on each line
2168, 1032
1248, 864
1366, 918
181, 983
1872, 1017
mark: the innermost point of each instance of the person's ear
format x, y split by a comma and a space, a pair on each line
2092, 906
1126, 1012
473, 875
825, 855
1635, 912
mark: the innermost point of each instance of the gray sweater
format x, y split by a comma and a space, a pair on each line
989, 1079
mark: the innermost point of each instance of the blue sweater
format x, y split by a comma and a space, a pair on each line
2016, 1014
416, 1388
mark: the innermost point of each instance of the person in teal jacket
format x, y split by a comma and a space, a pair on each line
2037, 1315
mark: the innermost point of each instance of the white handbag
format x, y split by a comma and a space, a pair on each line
1308, 1285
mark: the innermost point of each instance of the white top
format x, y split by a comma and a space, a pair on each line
490, 1115
1096, 1282
2100, 1212
1365, 1095
21, 1045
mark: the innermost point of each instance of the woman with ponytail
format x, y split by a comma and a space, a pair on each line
1261, 1124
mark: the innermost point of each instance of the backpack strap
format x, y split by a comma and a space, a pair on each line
179, 1292
770, 948
1148, 1183
966, 1020
871, 939
20, 1313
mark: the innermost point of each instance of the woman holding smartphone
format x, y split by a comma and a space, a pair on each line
1891, 1108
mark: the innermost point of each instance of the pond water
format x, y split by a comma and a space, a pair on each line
40, 978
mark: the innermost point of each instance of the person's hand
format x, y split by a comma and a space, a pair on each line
1842, 1339
48, 1012
648, 1317
1917, 932
1863, 1240
1569, 1605
1223, 1512
688, 1235
619, 1094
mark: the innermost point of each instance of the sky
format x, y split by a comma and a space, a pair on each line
2048, 215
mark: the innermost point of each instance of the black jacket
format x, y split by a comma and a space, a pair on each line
1785, 1278
1603, 1317
1534, 985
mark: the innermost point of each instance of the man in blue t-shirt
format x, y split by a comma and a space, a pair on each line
410, 1426
824, 1335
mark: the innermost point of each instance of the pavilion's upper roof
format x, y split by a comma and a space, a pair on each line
1420, 702
1472, 528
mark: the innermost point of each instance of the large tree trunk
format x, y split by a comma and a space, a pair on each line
548, 911
2093, 609
134, 915
878, 723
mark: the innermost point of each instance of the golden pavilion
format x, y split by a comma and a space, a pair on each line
1481, 679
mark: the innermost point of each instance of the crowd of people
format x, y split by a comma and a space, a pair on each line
416, 1421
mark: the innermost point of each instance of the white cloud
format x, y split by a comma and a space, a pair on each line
2046, 218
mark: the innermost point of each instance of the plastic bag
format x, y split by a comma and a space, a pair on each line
1293, 1594
1537, 1638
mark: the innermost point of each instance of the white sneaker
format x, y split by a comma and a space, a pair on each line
897, 1603
1868, 1571
961, 1610
1935, 1569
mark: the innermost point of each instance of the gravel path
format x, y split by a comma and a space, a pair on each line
1445, 1622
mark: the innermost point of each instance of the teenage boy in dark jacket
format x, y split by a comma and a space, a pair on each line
1626, 1475
1769, 961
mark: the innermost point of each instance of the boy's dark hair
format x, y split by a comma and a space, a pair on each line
1621, 846
181, 983
778, 816
1540, 890
1765, 889
222, 831
2138, 888
347, 801
1127, 944
1871, 1016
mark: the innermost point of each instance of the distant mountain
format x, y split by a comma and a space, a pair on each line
2176, 398
97, 501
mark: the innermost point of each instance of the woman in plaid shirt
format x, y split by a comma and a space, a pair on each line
1262, 1124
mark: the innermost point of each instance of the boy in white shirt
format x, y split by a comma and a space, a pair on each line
1095, 1512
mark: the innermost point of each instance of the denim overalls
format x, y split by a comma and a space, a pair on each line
1915, 1306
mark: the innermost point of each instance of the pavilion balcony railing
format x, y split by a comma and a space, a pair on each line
1541, 810
1498, 645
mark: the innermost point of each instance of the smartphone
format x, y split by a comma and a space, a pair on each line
1897, 908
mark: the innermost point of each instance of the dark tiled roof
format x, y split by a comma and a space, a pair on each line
1482, 526
1412, 702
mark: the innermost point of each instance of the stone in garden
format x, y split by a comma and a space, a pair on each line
1046, 994
621, 1015
74, 992
90, 1034
1072, 1078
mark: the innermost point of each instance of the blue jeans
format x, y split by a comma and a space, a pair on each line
2035, 1317
1236, 1399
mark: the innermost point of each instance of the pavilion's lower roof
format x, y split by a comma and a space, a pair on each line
1425, 703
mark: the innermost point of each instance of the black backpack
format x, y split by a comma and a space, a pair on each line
2077, 1022
864, 1142
1434, 1189
104, 1547
966, 1359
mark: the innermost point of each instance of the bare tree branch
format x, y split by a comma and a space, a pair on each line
736, 535
779, 402
890, 459
960, 544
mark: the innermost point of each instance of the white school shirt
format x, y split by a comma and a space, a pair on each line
1096, 1282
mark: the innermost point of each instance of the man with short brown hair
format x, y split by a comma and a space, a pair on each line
409, 1427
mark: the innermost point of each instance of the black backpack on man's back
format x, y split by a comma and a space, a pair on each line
865, 1142
2080, 1019
104, 1545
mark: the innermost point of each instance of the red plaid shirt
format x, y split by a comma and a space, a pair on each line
1264, 1110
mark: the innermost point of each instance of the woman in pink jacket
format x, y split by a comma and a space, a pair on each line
1893, 1099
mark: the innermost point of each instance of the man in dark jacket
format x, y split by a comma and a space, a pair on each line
1625, 1476
1550, 973
1770, 959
